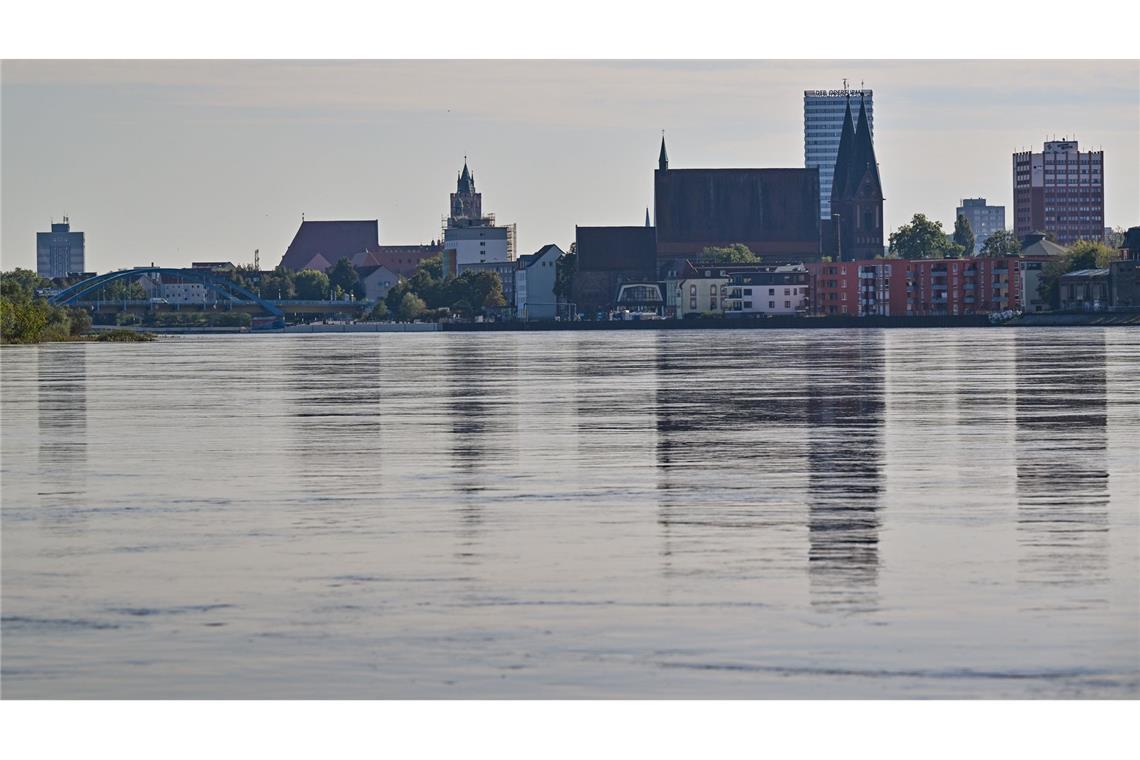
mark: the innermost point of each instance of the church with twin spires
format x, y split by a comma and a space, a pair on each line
856, 193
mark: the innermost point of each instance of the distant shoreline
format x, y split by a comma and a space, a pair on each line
1131, 319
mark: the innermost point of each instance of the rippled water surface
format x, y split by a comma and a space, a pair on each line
855, 513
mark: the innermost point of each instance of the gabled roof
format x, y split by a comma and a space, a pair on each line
530, 259
332, 240
318, 262
367, 271
1042, 247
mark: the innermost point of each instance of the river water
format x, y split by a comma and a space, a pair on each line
787, 514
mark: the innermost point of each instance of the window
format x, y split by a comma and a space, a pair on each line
787, 291
771, 291
693, 290
787, 304
771, 304
748, 304
748, 291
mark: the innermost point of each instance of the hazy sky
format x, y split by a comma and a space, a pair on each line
177, 161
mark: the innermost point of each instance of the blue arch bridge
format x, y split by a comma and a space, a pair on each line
219, 292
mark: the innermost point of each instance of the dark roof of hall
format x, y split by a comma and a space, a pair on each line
334, 240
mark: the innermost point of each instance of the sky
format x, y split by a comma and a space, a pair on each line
178, 161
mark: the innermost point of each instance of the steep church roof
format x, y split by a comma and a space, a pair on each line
843, 158
332, 240
864, 159
856, 158
466, 183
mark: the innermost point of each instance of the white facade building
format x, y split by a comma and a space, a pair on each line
377, 281
469, 235
477, 245
781, 291
534, 284
823, 125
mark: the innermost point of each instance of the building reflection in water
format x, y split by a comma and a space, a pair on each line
334, 400
479, 404
845, 420
1062, 446
729, 455
62, 410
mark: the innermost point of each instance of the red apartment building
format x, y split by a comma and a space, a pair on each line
918, 287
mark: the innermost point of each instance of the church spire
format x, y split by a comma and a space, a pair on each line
466, 183
844, 156
864, 159
663, 157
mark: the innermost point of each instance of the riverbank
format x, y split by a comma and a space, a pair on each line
1130, 319
769, 323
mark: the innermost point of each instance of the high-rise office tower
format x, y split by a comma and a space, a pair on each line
59, 252
823, 126
984, 220
1060, 190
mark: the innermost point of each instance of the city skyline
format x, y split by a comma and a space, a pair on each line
177, 161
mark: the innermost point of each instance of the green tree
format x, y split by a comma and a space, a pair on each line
411, 306
922, 238
278, 285
1001, 243
395, 296
433, 266
1115, 238
312, 285
1084, 254
20, 284
737, 253
344, 276
123, 290
1099, 254
379, 312
29, 318
80, 320
462, 307
964, 234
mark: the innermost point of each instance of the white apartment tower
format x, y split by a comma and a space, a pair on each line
823, 125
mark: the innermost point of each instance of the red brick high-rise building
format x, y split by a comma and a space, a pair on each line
1060, 190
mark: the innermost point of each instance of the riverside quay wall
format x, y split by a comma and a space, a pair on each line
767, 323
